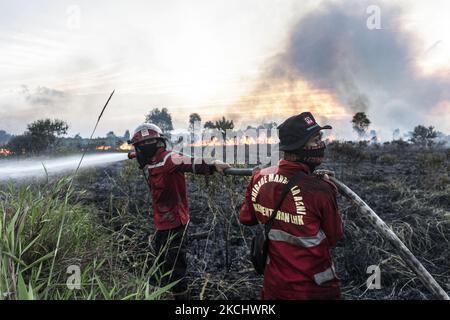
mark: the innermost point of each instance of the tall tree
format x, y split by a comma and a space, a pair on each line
4, 137
161, 118
21, 144
127, 135
41, 135
360, 123
45, 133
423, 136
111, 139
48, 127
268, 125
223, 125
209, 125
396, 134
193, 118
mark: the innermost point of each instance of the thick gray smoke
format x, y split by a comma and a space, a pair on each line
42, 95
369, 70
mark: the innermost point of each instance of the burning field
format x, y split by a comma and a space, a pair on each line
107, 230
218, 79
5, 152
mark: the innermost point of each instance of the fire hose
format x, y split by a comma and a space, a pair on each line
386, 232
400, 248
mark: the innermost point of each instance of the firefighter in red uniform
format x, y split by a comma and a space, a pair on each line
299, 264
165, 175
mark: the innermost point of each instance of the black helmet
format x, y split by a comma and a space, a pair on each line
295, 131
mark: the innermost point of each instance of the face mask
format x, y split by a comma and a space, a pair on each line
312, 156
145, 152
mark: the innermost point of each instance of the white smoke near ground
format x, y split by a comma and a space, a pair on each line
37, 168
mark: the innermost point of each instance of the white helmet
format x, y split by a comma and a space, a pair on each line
146, 131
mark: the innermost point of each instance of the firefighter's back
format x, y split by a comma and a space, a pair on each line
299, 262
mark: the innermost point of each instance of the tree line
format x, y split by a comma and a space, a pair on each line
421, 135
47, 135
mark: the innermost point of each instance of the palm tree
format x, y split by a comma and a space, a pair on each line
193, 118
223, 125
360, 123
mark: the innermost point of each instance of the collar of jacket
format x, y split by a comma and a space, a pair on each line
159, 156
293, 165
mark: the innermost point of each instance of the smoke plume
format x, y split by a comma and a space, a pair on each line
346, 64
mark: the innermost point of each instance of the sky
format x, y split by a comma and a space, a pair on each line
251, 61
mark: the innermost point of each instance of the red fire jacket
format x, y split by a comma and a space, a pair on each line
168, 187
299, 262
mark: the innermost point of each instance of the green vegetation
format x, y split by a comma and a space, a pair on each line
161, 118
41, 136
360, 123
47, 232
46, 137
424, 136
107, 226
4, 137
99, 224
193, 118
222, 125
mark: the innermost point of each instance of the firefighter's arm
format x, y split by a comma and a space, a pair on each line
220, 166
247, 214
198, 166
331, 218
181, 163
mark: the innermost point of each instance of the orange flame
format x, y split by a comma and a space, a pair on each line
235, 141
5, 152
125, 147
103, 148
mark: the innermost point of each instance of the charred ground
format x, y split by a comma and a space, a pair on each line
407, 187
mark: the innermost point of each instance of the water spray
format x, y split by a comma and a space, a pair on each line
39, 168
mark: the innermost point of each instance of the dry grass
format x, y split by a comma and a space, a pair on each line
111, 233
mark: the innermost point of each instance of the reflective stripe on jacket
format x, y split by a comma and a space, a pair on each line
299, 262
168, 187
